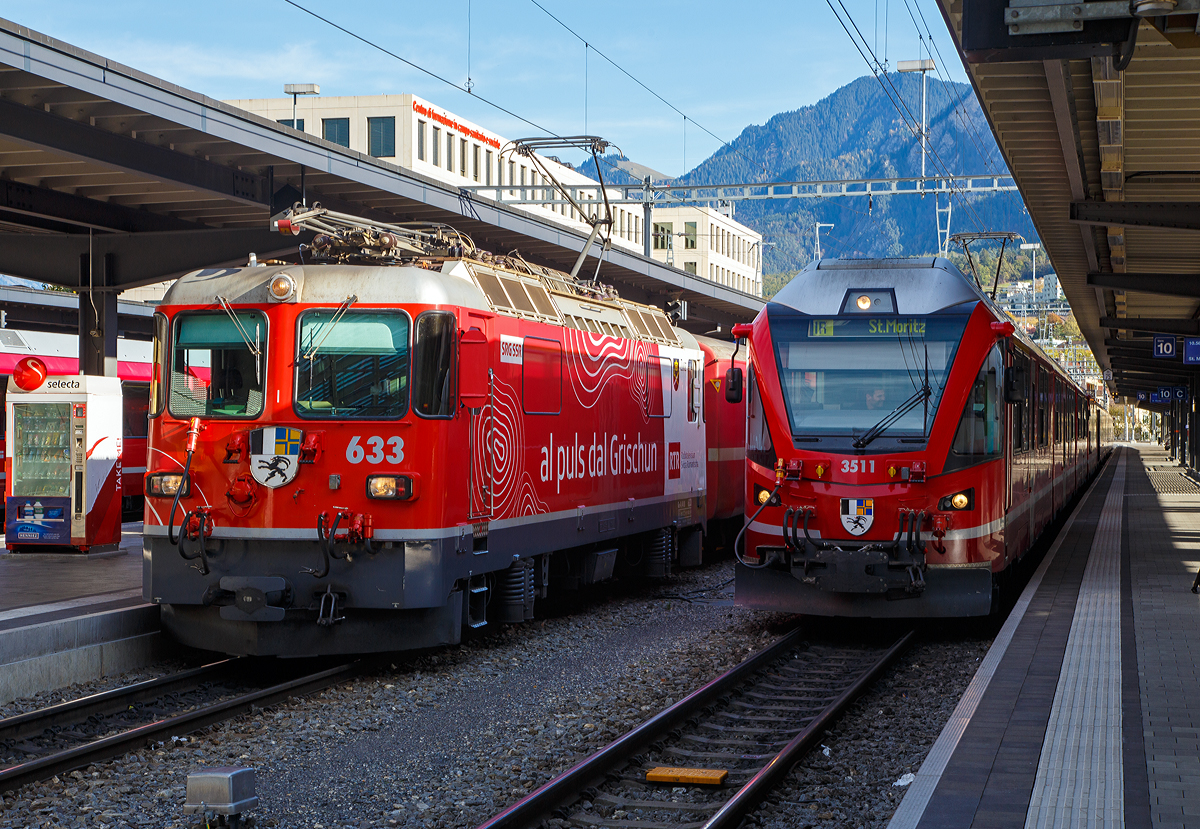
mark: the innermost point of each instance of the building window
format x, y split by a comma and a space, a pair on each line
524, 192
337, 130
690, 267
662, 235
462, 157
475, 161
512, 174
437, 146
689, 236
450, 152
488, 158
287, 122
381, 137
420, 140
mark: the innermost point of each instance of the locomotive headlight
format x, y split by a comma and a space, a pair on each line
763, 496
958, 501
863, 302
389, 487
165, 485
282, 287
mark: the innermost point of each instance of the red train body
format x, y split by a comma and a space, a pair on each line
385, 453
905, 446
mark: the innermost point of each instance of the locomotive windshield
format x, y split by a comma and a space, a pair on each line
863, 376
352, 364
216, 365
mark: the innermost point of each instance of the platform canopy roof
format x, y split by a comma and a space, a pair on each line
155, 180
1107, 158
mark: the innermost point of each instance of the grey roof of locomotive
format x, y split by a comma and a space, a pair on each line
372, 284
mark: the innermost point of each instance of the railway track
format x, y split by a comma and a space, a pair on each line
75, 734
755, 722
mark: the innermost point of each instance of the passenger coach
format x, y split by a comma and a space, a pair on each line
905, 447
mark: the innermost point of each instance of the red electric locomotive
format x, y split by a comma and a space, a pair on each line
905, 446
367, 453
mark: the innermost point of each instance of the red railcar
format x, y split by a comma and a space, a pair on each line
370, 453
905, 446
725, 429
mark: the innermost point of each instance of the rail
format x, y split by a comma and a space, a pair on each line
58, 762
598, 769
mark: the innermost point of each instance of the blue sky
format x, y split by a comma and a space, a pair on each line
724, 65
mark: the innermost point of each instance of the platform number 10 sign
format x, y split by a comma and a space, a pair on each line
1164, 347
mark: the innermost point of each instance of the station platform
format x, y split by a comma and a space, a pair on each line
1086, 710
67, 618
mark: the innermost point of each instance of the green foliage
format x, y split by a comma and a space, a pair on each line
772, 282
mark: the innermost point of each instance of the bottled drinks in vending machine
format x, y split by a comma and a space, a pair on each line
63, 465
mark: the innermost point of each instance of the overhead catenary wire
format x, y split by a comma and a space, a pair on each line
967, 125
894, 97
627, 74
434, 75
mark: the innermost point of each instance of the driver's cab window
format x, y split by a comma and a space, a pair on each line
217, 368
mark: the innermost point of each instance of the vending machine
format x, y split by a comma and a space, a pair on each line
63, 464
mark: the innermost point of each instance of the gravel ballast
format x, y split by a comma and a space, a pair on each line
450, 737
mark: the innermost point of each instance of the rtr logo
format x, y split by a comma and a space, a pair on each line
674, 460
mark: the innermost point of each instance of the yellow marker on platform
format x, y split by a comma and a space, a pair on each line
701, 777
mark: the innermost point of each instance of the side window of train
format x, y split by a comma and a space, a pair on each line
695, 391
980, 433
1042, 404
158, 366
658, 375
433, 364
1016, 393
136, 403
759, 447
541, 376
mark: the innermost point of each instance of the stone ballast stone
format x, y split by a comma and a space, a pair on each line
448, 738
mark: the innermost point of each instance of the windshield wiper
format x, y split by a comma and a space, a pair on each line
253, 346
337, 317
893, 417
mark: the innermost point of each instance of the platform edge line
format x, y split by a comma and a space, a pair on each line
912, 808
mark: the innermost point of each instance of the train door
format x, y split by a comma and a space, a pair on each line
475, 387
1016, 394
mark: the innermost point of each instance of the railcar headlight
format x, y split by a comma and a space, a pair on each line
165, 485
864, 302
282, 287
389, 487
959, 501
763, 496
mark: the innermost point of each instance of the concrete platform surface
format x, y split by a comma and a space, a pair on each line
67, 618
1086, 710
28, 580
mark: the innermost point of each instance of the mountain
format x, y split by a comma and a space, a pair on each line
854, 133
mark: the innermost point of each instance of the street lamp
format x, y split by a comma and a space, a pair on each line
924, 67
296, 90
